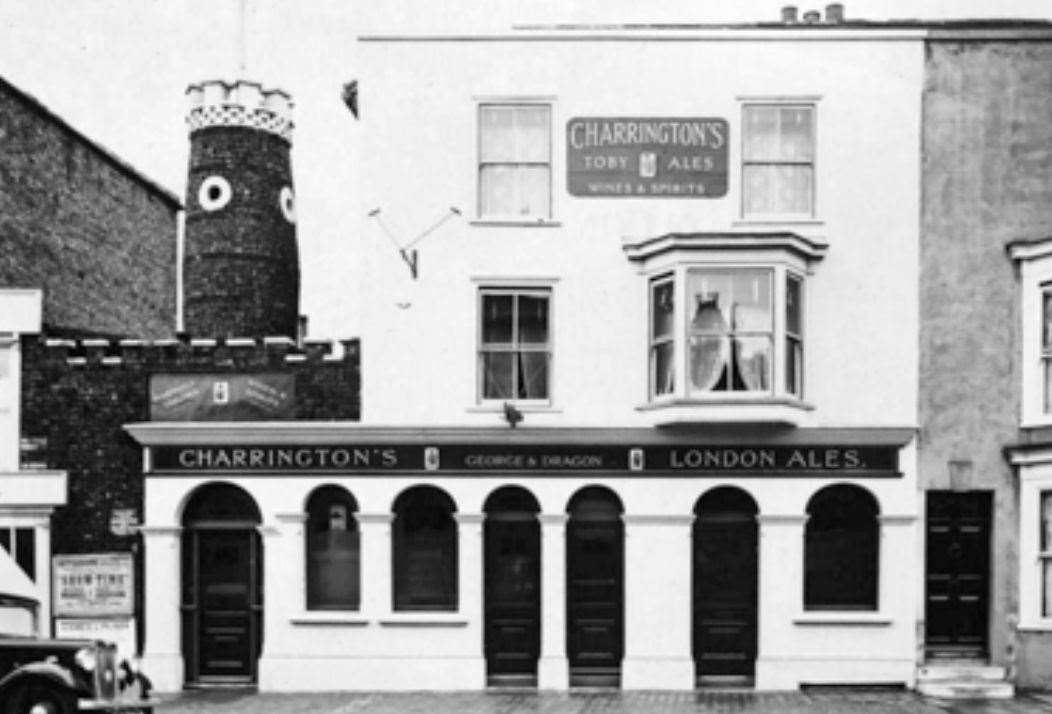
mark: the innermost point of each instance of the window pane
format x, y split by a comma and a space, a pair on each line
496, 319
333, 569
709, 358
497, 375
533, 375
841, 549
792, 305
661, 309
533, 319
497, 128
752, 362
793, 366
1046, 582
497, 190
25, 551
533, 133
662, 369
758, 189
712, 298
796, 134
751, 301
1046, 521
792, 189
533, 196
515, 190
1047, 365
425, 554
761, 133
1046, 333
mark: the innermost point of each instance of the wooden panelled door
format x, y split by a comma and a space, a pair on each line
725, 542
513, 598
595, 598
957, 574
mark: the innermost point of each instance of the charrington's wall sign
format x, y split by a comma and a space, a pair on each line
647, 157
541, 459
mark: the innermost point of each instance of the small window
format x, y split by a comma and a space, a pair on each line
778, 160
1046, 348
731, 330
515, 161
662, 337
841, 547
424, 550
514, 344
794, 339
333, 567
1045, 555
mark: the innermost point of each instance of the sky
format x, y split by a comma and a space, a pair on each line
117, 71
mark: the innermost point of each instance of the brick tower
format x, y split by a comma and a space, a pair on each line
241, 262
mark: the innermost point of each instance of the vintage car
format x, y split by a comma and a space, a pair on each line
40, 676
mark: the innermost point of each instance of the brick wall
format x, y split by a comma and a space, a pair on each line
987, 180
74, 220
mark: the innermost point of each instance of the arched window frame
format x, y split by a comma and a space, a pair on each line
424, 551
842, 550
333, 550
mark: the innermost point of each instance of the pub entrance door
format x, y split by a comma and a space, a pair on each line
595, 588
512, 588
725, 541
222, 601
957, 574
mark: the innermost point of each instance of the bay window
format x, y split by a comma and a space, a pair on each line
1046, 346
1045, 554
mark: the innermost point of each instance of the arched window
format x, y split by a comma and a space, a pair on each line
332, 550
425, 550
841, 550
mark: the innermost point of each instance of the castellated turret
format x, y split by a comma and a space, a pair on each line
241, 262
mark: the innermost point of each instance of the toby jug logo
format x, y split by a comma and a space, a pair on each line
647, 164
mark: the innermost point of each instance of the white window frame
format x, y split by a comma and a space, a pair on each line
1035, 270
679, 274
514, 219
1035, 479
529, 288
781, 102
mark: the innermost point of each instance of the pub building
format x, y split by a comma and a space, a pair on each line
638, 412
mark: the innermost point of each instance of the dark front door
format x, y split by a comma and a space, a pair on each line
227, 609
958, 573
513, 598
595, 602
725, 594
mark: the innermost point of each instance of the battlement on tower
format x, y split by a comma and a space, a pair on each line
242, 104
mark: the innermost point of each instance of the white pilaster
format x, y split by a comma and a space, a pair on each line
162, 656
553, 670
43, 571
375, 543
781, 596
469, 584
284, 588
657, 603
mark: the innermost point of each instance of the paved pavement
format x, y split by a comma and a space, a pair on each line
839, 702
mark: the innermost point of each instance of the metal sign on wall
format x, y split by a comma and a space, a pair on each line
647, 157
97, 584
226, 397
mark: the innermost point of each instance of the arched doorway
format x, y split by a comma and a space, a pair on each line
725, 573
595, 613
512, 570
222, 599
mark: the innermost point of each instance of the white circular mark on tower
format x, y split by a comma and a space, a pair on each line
214, 193
288, 204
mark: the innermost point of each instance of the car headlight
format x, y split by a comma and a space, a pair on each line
85, 659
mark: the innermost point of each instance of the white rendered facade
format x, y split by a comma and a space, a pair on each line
593, 263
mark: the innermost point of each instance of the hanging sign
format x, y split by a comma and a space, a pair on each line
647, 157
222, 397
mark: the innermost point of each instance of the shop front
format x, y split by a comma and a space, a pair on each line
311, 556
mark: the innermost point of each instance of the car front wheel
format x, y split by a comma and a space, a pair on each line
38, 698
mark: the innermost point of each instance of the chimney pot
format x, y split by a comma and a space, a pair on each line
812, 17
835, 13
789, 14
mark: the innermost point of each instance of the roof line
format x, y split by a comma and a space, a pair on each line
120, 164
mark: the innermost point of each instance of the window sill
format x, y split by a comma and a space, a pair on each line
423, 619
1035, 626
350, 618
515, 223
524, 407
728, 410
843, 617
778, 221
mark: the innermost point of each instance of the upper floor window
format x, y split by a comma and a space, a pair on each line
1045, 554
778, 160
1046, 347
1034, 258
515, 348
514, 176
734, 332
